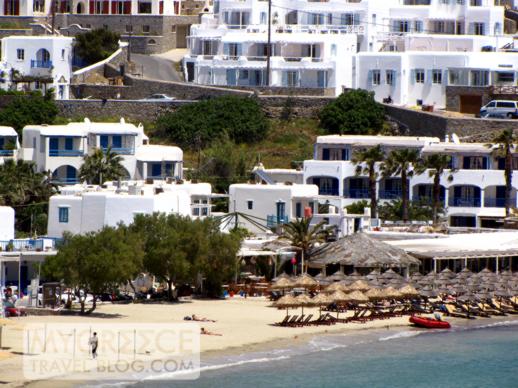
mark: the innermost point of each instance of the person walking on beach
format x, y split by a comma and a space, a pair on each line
94, 342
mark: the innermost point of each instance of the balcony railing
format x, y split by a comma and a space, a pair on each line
464, 202
65, 153
21, 245
356, 193
6, 152
65, 181
390, 194
120, 150
273, 220
327, 191
497, 202
41, 64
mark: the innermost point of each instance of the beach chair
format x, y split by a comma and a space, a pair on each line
452, 312
297, 321
489, 310
284, 321
292, 320
307, 320
502, 306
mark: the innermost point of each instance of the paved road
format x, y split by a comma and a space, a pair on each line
156, 68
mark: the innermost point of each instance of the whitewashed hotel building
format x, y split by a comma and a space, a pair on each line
314, 43
60, 149
80, 209
37, 63
473, 198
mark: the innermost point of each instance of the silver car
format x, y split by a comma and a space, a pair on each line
500, 109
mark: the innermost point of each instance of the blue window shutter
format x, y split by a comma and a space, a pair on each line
412, 76
298, 210
117, 141
369, 78
501, 163
54, 143
239, 49
71, 172
1, 143
356, 19
325, 154
69, 143
104, 141
466, 162
457, 191
156, 169
484, 163
344, 154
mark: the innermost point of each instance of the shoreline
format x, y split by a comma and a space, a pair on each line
236, 320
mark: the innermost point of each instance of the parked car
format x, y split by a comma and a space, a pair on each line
159, 97
500, 109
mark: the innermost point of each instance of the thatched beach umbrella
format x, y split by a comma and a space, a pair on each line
357, 297
373, 275
286, 302
359, 285
304, 300
283, 275
337, 276
282, 284
322, 300
391, 293
374, 294
408, 291
305, 281
337, 286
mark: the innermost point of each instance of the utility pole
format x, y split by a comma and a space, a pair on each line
269, 44
130, 34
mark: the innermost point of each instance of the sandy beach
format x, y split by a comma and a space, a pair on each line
244, 324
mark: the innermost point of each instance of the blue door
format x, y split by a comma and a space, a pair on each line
71, 174
156, 170
54, 143
69, 143
281, 209
104, 141
116, 141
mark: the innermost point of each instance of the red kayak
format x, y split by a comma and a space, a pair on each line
429, 323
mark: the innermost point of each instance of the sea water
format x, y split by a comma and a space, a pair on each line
469, 356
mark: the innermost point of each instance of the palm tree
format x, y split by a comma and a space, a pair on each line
504, 145
400, 162
101, 166
437, 164
366, 164
302, 235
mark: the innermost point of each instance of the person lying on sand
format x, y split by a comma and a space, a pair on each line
206, 332
201, 319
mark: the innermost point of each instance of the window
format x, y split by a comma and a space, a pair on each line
437, 76
418, 26
173, 28
376, 77
264, 18
204, 211
145, 28
291, 78
478, 29
419, 76
144, 7
63, 54
196, 211
507, 77
63, 214
298, 210
129, 28
20, 54
479, 78
389, 77
250, 205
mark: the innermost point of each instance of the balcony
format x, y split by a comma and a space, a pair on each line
356, 193
6, 152
328, 191
65, 181
18, 245
390, 194
120, 150
40, 64
464, 202
65, 153
273, 220
497, 202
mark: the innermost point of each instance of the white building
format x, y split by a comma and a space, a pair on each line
9, 144
37, 63
313, 44
474, 197
81, 209
266, 206
6, 223
92, 7
60, 149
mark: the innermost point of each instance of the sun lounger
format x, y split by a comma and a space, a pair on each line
505, 308
473, 310
488, 309
284, 321
451, 311
297, 321
306, 321
292, 320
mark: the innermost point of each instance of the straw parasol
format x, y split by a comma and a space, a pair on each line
374, 294
337, 286
408, 290
322, 300
390, 274
359, 285
338, 296
282, 283
357, 296
392, 293
305, 281
283, 275
304, 300
337, 276
286, 302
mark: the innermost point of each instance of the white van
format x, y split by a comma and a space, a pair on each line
500, 109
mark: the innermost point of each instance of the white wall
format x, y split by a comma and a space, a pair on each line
6, 223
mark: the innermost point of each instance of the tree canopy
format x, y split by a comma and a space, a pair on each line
96, 45
353, 112
102, 166
96, 262
28, 192
28, 109
198, 125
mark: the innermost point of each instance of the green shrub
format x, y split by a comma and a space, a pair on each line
353, 112
96, 45
200, 124
30, 109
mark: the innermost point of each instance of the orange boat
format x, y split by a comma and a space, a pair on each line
429, 323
